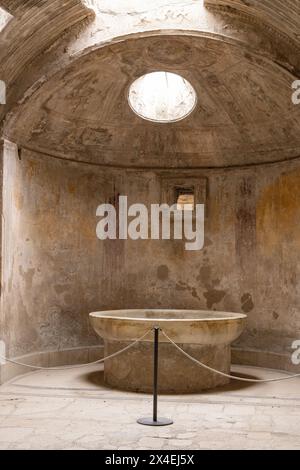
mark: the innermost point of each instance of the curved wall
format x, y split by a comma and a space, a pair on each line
55, 270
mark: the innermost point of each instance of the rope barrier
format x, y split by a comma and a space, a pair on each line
200, 364
79, 366
229, 376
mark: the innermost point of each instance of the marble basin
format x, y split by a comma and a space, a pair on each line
205, 335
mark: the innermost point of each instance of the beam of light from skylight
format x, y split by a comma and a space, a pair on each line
5, 17
135, 6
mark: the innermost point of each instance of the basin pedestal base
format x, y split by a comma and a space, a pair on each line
133, 370
159, 422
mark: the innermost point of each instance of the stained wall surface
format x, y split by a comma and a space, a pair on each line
56, 271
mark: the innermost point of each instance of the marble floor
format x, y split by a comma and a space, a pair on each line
72, 409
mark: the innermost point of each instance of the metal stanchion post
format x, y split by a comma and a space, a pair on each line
155, 421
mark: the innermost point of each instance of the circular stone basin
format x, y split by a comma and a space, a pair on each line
205, 335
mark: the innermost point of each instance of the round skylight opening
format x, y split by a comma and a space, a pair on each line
162, 97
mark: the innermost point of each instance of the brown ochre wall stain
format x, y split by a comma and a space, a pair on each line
27, 276
183, 286
163, 272
278, 214
212, 295
247, 303
18, 200
275, 315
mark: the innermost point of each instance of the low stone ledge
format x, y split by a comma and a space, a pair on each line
246, 357
65, 357
266, 359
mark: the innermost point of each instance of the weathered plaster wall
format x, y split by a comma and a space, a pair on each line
49, 283
55, 271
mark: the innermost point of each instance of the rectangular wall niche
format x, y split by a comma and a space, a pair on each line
185, 198
184, 191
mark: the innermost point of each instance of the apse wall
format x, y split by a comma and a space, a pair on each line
56, 271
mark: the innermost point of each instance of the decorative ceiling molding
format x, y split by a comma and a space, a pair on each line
245, 114
282, 16
49, 42
36, 25
18, 8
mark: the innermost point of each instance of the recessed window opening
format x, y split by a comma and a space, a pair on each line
162, 97
5, 18
185, 199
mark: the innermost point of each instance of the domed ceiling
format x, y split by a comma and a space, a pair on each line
244, 113
240, 59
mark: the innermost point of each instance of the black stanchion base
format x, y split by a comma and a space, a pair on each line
159, 422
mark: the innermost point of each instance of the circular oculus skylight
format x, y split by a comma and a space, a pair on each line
162, 97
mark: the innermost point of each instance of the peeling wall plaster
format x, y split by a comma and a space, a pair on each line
56, 271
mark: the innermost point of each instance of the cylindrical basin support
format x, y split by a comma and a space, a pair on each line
204, 335
155, 421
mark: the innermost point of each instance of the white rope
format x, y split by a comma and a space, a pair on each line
137, 341
229, 376
79, 365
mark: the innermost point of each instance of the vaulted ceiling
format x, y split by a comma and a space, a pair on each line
68, 66
282, 15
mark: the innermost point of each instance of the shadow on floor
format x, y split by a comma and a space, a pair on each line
97, 378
